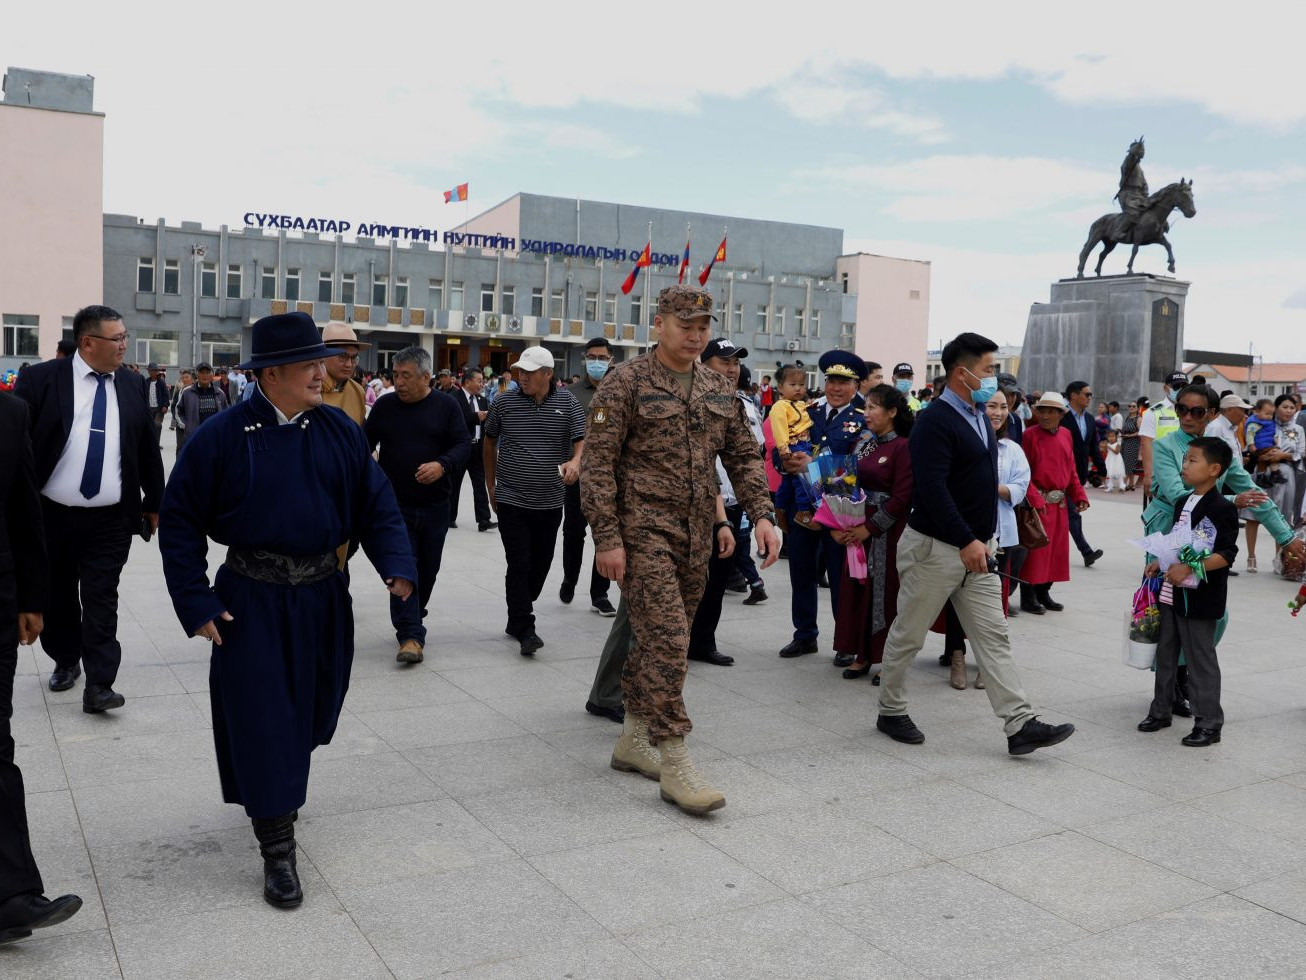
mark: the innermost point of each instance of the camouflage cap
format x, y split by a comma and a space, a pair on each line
685, 302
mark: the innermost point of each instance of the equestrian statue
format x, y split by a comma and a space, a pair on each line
1143, 218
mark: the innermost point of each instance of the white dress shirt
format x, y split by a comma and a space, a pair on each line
64, 485
471, 400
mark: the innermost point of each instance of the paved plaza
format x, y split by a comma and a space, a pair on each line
465, 820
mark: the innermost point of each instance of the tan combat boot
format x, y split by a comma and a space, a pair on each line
634, 752
682, 783
410, 652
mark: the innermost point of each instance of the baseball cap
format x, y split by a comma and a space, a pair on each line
1234, 401
903, 368
152, 366
444, 373
685, 302
203, 366
534, 358
721, 347
1176, 379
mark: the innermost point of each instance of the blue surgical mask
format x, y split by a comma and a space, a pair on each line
987, 389
596, 369
903, 385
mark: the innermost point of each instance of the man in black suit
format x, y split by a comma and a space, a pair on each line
475, 407
24, 589
157, 397
97, 454
1083, 436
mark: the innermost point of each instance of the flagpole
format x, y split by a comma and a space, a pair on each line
648, 279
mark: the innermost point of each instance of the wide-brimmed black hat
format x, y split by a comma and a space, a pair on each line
286, 338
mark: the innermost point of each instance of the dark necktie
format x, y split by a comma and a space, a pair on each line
94, 470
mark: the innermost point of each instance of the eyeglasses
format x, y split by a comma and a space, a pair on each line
347, 357
1193, 411
121, 339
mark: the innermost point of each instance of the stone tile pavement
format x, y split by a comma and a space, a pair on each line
465, 820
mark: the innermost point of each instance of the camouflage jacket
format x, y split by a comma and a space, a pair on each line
648, 470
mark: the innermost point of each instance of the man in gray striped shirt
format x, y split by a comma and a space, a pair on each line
532, 440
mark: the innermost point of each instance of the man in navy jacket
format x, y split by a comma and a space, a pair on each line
945, 551
1084, 439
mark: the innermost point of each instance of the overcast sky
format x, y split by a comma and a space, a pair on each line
982, 137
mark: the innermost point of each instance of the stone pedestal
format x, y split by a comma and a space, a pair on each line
1122, 334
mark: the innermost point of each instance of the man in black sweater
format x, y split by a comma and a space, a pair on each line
424, 444
947, 549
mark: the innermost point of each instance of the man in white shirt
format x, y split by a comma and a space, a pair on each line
1228, 425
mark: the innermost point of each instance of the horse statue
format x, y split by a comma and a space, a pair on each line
1145, 227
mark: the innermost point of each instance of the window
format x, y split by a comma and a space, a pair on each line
843, 280
537, 301
610, 308
158, 346
144, 275
456, 296
172, 276
436, 294
324, 287
401, 291
487, 297
508, 302
22, 335
739, 317
209, 279
268, 284
555, 304
779, 321
800, 321
637, 309
347, 289
816, 323
292, 285
846, 329
379, 284
67, 328
914, 294
591, 305
234, 277
220, 349
762, 325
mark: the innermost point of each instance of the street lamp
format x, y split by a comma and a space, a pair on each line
197, 253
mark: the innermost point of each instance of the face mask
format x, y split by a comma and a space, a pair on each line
596, 369
903, 385
987, 389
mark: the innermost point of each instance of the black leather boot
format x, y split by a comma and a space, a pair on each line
276, 840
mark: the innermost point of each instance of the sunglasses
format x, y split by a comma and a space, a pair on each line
1194, 411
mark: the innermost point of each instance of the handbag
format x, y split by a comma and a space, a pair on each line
1029, 527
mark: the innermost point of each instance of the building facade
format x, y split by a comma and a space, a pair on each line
52, 203
531, 270
1006, 357
1262, 380
890, 317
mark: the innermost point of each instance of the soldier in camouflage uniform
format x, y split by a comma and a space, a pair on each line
648, 489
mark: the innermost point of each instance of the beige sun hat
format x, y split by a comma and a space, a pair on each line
338, 334
1052, 399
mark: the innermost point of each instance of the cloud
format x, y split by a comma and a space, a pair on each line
835, 98
583, 139
1296, 300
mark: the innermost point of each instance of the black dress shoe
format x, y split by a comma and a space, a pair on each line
900, 728
1181, 708
276, 843
1031, 606
1037, 735
567, 593
603, 606
843, 659
98, 698
530, 643
756, 595
62, 678
797, 648
453, 525
853, 672
1047, 602
487, 525
1153, 724
1199, 737
21, 914
945, 659
1092, 556
617, 714
713, 656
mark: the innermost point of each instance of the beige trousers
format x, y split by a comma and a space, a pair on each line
930, 573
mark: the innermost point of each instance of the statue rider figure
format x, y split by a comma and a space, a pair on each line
1132, 194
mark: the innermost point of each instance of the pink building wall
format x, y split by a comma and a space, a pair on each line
893, 308
52, 209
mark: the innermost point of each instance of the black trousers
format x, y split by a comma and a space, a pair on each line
573, 545
529, 538
480, 499
88, 548
702, 634
18, 872
427, 526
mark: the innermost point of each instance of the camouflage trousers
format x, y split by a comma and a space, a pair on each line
663, 592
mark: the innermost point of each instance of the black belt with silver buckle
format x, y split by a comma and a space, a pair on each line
266, 566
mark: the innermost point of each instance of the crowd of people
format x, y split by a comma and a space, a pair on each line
674, 462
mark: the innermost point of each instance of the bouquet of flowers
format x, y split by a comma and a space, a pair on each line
1184, 546
841, 503
8, 380
1298, 601
1144, 625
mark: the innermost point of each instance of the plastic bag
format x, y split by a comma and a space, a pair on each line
1292, 570
1143, 625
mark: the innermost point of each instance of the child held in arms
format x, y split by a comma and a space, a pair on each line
790, 428
1189, 614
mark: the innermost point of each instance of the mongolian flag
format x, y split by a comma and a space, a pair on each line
459, 193
684, 263
645, 259
707, 269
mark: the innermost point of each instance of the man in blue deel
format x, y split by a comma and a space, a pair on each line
282, 481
